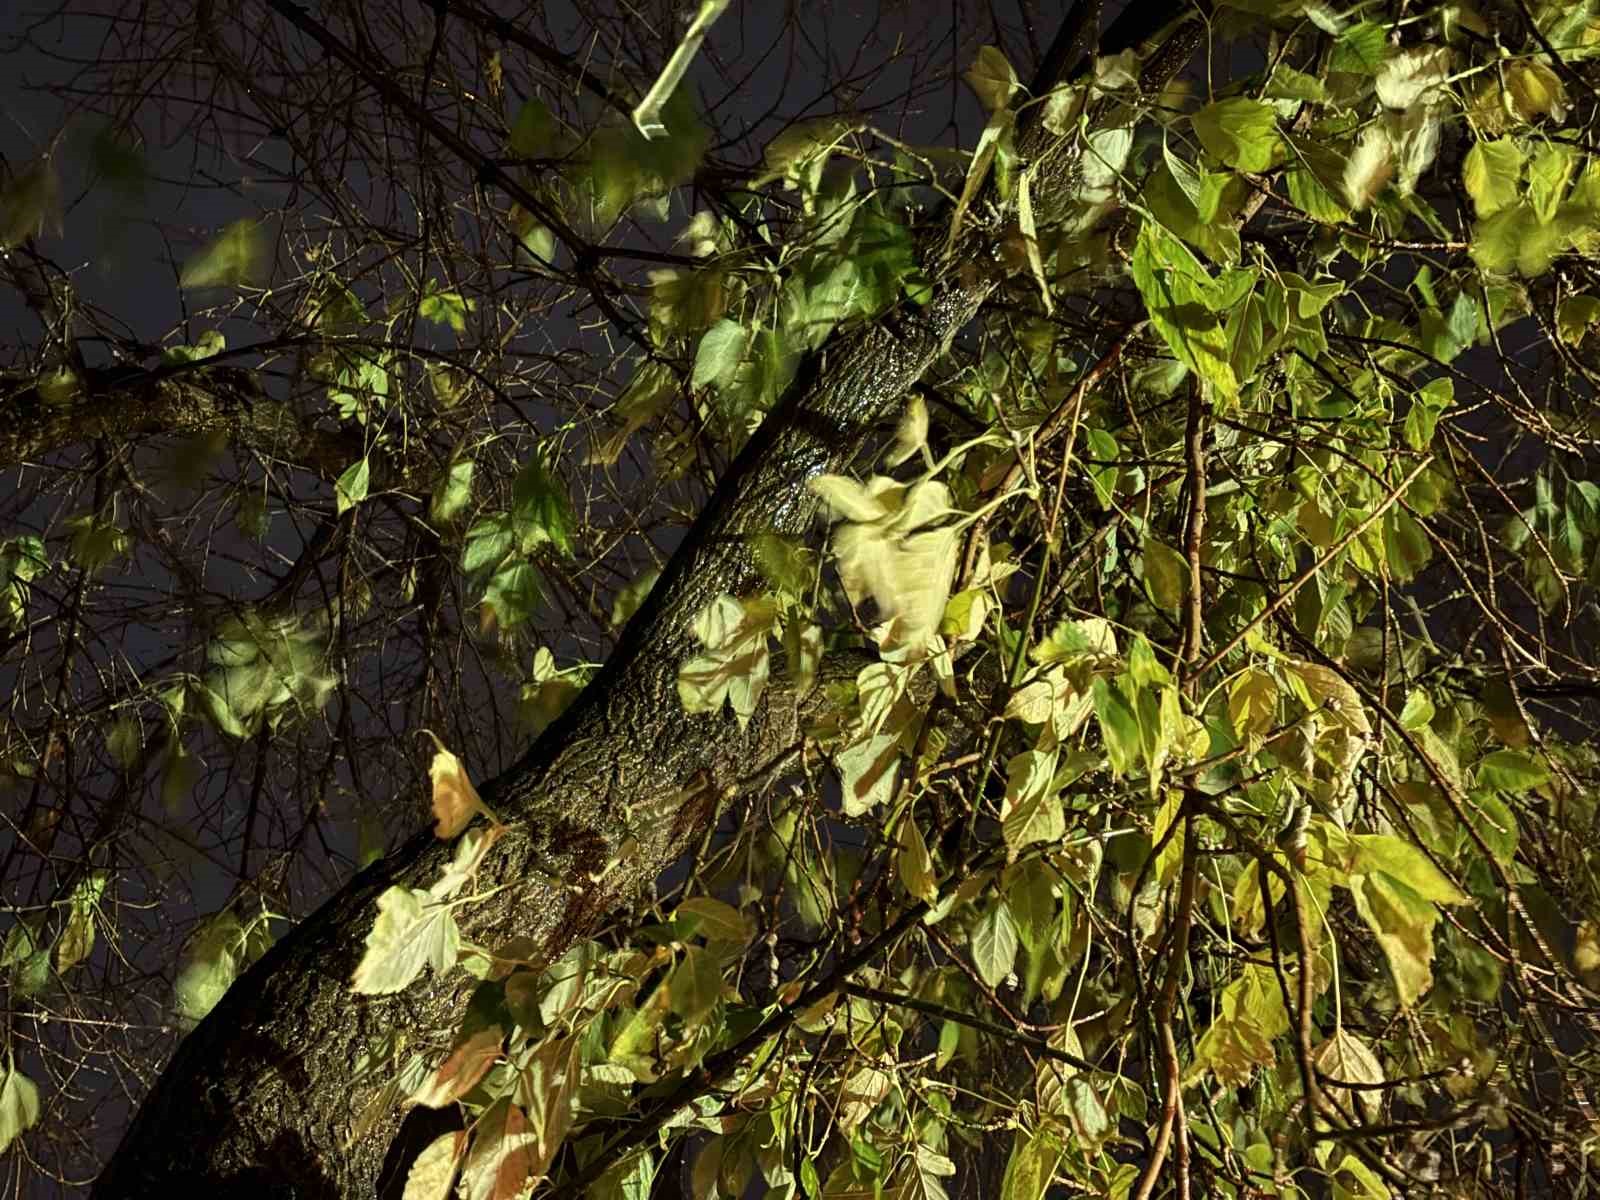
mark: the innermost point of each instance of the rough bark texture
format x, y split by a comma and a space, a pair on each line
257, 1098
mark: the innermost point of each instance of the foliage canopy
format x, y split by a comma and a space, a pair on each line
1191, 770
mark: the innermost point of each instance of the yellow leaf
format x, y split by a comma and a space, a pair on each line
1403, 923
434, 1172
914, 862
455, 800
1346, 1057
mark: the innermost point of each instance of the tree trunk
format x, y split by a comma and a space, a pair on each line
257, 1099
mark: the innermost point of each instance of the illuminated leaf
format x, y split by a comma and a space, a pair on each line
888, 549
446, 308
433, 1174
734, 666
1402, 920
412, 931
992, 78
504, 1154
1250, 1016
1031, 811
914, 863
351, 488
1491, 172
1240, 132
30, 205
455, 801
994, 944
1511, 771
453, 491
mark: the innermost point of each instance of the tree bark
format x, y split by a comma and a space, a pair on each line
257, 1098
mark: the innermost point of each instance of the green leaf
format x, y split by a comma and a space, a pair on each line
1240, 132
914, 863
19, 1104
533, 133
77, 937
1495, 823
210, 963
721, 350
125, 742
488, 541
238, 257
211, 344
540, 508
1253, 702
1511, 771
1032, 1166
1031, 811
453, 491
1418, 710
695, 984
351, 487
445, 308
734, 667
1249, 1017
1180, 295
994, 944
95, 543
711, 919
1166, 575
992, 78
1405, 862
1360, 49
1119, 726
624, 167
1091, 1123
178, 778
27, 957
1575, 316
514, 593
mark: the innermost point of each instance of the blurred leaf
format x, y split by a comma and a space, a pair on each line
452, 493
1511, 771
540, 508
30, 205
19, 1104
237, 258
95, 543
77, 936
647, 114
992, 79
734, 666
513, 594
445, 307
